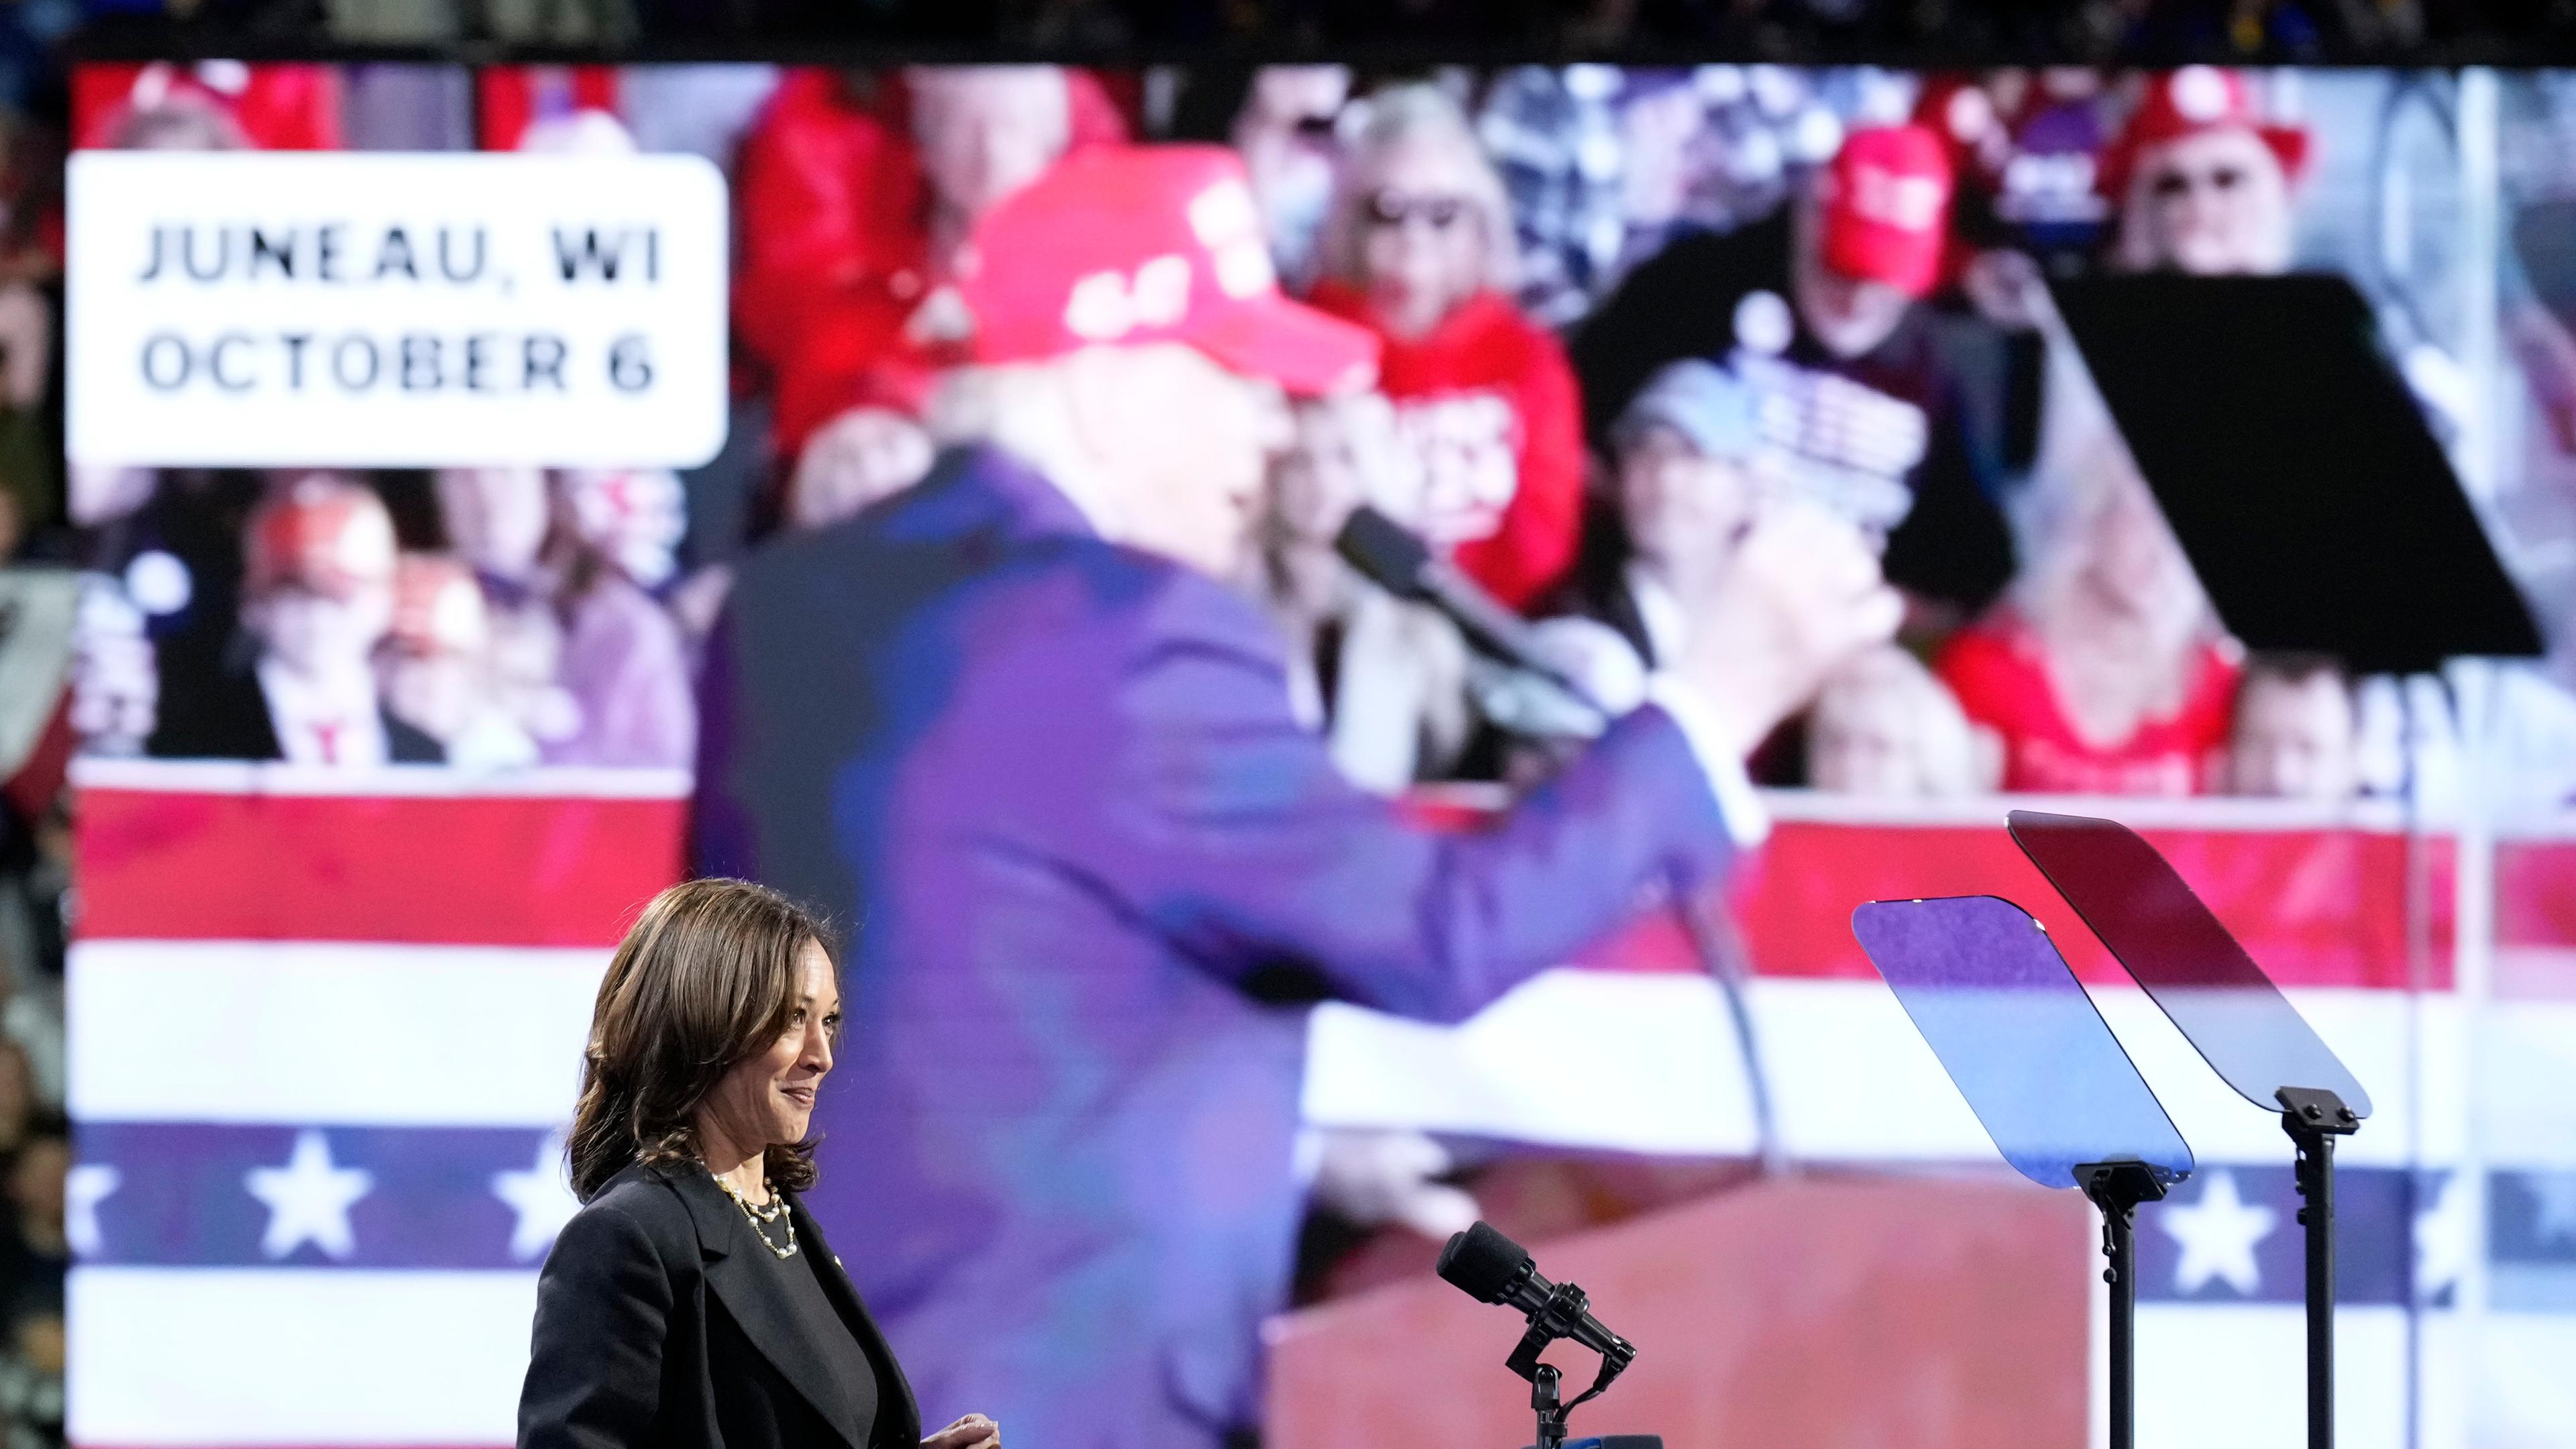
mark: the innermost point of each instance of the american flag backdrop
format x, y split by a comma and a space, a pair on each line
326, 1031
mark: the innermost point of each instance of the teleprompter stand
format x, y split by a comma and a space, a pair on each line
2231, 1013
2314, 1118
1988, 992
2296, 467
2116, 1188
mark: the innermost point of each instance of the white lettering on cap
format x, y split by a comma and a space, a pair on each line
1226, 222
1107, 305
1243, 268
1223, 213
1161, 294
1097, 307
1908, 203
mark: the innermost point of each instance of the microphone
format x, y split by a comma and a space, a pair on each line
1492, 1268
1389, 555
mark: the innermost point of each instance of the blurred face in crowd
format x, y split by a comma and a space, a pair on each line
436, 693
1861, 742
2212, 203
495, 517
985, 131
1423, 245
1883, 726
768, 1100
1181, 444
313, 632
1683, 509
433, 667
2131, 568
633, 518
1285, 135
2295, 736
1347, 452
182, 122
1850, 316
863, 455
319, 587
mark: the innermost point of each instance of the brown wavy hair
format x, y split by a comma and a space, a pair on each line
706, 979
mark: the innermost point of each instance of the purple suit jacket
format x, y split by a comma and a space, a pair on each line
1093, 869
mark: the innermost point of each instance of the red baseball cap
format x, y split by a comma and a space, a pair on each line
1885, 206
2186, 102
1136, 244
330, 536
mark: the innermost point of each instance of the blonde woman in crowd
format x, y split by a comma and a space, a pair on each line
1417, 247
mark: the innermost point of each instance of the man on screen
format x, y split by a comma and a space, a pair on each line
299, 682
1894, 406
1012, 730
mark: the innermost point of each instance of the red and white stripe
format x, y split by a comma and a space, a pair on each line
274, 944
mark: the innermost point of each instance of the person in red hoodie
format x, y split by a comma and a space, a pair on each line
855, 190
1418, 248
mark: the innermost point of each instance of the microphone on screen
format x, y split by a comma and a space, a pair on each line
1491, 1268
1391, 556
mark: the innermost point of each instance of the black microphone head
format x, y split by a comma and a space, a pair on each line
1384, 551
1483, 1263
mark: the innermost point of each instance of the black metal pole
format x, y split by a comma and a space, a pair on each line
1551, 1416
2316, 1214
2123, 1278
2314, 1118
2117, 1188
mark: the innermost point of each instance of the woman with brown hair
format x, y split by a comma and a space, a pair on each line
692, 1302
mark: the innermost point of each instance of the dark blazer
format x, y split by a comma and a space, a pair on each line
650, 1332
222, 715
1099, 868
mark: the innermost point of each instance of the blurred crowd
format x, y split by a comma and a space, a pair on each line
1618, 307
38, 592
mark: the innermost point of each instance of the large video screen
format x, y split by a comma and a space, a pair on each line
1203, 979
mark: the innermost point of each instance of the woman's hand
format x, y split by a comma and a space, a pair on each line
972, 1432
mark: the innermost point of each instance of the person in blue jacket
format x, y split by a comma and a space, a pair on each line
1013, 732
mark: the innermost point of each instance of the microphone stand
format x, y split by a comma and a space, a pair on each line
1388, 555
1712, 937
1565, 1307
1551, 1414
1722, 955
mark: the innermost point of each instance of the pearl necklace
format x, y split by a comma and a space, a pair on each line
758, 1215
